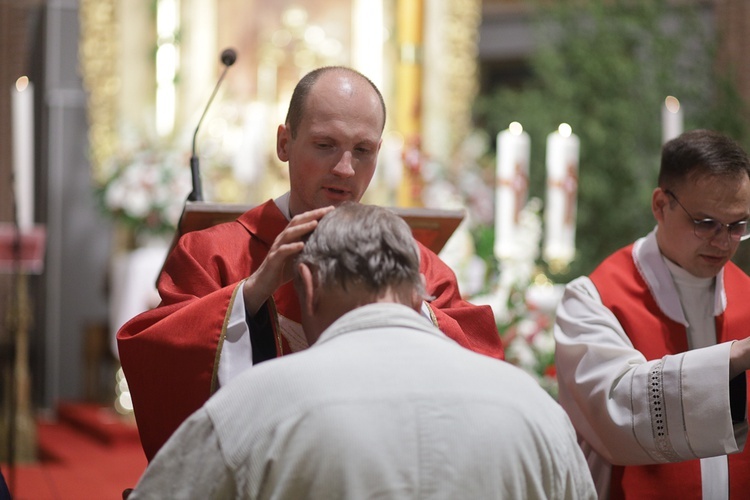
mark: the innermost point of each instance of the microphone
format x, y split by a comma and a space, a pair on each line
228, 57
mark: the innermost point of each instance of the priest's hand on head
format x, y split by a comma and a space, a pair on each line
278, 266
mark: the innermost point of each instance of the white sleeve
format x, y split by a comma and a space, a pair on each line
189, 465
236, 349
633, 411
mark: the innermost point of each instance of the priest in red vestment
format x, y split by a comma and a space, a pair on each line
653, 347
226, 297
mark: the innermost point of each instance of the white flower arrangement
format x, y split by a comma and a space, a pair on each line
146, 190
524, 304
529, 341
522, 298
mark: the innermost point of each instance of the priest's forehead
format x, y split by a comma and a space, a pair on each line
305, 87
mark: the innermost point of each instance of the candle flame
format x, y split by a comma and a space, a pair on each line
22, 83
565, 130
672, 104
515, 128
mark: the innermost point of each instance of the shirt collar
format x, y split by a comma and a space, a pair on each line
653, 268
379, 315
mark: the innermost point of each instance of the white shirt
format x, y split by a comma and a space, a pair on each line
604, 381
383, 405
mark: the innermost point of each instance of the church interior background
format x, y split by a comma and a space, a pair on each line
119, 87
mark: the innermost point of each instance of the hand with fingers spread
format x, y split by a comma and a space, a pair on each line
277, 268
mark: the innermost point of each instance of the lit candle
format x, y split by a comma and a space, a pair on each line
562, 187
22, 109
511, 187
671, 119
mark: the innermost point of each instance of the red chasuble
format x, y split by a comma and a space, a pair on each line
624, 291
170, 354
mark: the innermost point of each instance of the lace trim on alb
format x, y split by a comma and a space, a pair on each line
658, 413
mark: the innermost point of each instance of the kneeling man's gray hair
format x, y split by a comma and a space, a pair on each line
363, 245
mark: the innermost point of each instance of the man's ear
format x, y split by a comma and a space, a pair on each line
306, 288
282, 142
659, 200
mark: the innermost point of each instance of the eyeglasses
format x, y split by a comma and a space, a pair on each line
706, 229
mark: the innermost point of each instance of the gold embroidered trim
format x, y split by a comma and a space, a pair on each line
433, 318
222, 337
275, 325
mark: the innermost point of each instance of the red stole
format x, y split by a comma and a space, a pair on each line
624, 291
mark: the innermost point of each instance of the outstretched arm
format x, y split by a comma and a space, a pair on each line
634, 411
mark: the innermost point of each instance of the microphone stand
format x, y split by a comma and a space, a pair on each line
227, 57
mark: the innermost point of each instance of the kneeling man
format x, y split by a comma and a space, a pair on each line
383, 405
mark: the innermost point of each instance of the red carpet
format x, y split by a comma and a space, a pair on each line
89, 452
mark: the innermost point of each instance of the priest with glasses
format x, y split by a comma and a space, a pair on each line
652, 348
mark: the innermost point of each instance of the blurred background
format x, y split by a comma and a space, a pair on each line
102, 98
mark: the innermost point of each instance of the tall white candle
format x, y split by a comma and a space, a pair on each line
671, 119
511, 187
22, 109
562, 187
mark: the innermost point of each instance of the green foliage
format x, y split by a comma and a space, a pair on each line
605, 68
484, 245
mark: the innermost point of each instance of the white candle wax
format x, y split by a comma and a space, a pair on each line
22, 110
561, 204
671, 119
511, 187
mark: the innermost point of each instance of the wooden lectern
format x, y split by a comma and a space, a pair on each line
430, 227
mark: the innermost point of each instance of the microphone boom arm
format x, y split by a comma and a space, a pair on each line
228, 57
